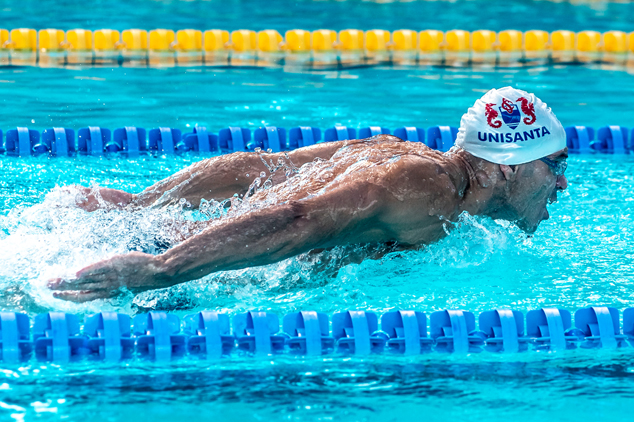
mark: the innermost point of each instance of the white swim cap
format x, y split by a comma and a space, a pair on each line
510, 126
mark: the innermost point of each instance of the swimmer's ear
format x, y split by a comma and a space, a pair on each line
483, 178
509, 172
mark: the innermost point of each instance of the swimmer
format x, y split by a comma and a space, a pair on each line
508, 163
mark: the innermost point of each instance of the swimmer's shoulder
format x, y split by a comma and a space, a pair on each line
408, 147
421, 165
389, 142
377, 139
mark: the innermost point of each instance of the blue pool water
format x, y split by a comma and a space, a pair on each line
282, 15
218, 98
582, 256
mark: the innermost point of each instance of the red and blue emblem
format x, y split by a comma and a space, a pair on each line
510, 113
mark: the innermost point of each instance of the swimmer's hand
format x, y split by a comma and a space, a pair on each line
93, 199
135, 271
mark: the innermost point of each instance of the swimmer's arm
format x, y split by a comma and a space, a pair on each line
216, 178
347, 214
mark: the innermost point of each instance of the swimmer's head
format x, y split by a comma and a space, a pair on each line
525, 145
528, 188
510, 126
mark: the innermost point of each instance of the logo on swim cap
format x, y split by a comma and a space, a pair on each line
510, 126
510, 113
528, 109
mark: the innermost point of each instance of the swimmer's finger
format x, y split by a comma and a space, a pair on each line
53, 283
65, 284
80, 296
62, 284
84, 283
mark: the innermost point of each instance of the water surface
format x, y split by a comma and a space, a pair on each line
582, 256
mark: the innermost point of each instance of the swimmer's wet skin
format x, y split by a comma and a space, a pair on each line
376, 190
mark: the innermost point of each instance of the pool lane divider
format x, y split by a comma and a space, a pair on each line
165, 47
112, 337
132, 141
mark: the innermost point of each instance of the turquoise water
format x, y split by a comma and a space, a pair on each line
331, 14
582, 256
218, 98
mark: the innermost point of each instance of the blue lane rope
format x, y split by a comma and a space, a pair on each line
160, 336
131, 141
